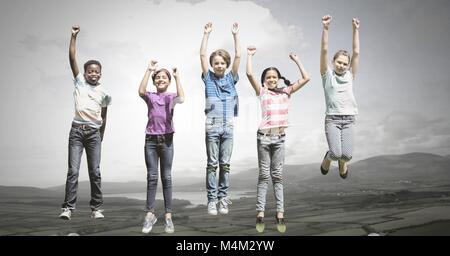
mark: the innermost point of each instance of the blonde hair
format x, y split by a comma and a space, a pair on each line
222, 53
342, 52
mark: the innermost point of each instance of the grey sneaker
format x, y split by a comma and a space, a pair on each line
97, 214
148, 224
65, 214
168, 226
223, 205
212, 208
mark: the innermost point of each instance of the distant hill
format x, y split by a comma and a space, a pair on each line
9, 192
388, 171
108, 187
380, 172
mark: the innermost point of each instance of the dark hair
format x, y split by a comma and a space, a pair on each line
286, 82
161, 70
222, 53
92, 62
342, 52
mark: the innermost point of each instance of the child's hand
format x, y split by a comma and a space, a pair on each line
208, 28
251, 50
175, 73
293, 57
235, 28
75, 30
326, 20
355, 23
152, 65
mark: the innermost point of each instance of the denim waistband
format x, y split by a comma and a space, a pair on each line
159, 136
83, 127
341, 117
271, 135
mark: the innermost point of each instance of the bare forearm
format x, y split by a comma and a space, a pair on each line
249, 67
251, 78
180, 91
204, 45
203, 58
237, 57
102, 128
237, 47
144, 83
355, 41
324, 51
72, 55
324, 44
302, 70
304, 76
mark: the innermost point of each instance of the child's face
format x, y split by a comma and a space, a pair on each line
341, 64
161, 81
92, 74
271, 79
219, 65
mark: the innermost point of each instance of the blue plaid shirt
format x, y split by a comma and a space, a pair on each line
221, 97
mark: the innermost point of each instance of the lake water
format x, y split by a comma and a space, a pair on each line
196, 198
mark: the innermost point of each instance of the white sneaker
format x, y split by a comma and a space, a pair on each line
66, 213
223, 205
97, 214
212, 208
168, 226
148, 224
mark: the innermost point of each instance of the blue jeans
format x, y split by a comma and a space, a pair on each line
89, 139
339, 132
270, 163
159, 148
219, 146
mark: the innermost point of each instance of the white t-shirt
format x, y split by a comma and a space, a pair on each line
89, 101
339, 96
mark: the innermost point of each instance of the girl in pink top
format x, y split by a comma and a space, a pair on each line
270, 135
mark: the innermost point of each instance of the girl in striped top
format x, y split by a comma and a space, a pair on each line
270, 135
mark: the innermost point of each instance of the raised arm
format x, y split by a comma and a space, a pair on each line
305, 77
203, 58
251, 50
355, 55
72, 50
237, 50
180, 92
143, 86
324, 45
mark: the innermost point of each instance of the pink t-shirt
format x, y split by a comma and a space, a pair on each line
274, 107
160, 112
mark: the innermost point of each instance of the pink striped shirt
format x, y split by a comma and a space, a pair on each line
274, 107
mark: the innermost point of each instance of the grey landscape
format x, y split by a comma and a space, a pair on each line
385, 195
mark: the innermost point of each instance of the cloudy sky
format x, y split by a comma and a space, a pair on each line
402, 89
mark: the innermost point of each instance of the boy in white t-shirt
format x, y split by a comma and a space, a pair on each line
88, 126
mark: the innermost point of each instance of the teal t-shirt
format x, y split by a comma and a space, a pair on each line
339, 96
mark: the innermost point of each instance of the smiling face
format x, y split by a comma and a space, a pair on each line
271, 79
92, 74
161, 80
219, 65
341, 64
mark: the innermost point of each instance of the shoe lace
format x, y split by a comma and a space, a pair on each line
225, 201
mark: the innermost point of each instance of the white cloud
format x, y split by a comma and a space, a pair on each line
124, 35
